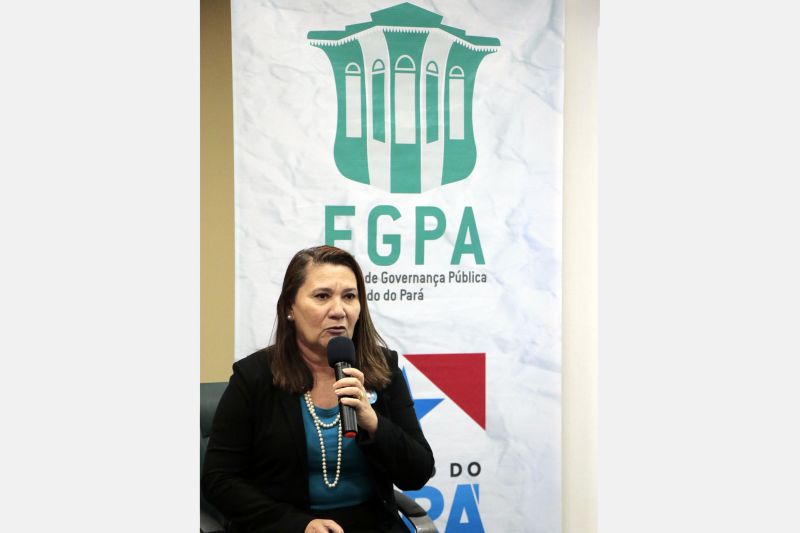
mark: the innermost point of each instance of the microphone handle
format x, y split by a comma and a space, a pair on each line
347, 414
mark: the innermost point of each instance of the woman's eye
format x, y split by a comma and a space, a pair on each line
350, 296
321, 296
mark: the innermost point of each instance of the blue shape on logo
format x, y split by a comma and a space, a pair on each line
422, 406
465, 505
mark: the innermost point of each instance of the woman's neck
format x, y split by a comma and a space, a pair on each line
322, 391
317, 363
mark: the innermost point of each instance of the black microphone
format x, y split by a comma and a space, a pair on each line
341, 355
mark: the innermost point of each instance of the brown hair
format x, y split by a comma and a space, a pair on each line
289, 372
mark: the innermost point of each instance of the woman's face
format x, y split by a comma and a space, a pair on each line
326, 306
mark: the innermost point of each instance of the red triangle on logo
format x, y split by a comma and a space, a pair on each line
461, 376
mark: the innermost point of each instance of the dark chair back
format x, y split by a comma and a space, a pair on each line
210, 393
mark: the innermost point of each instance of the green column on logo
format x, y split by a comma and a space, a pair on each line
378, 113
460, 153
405, 55
392, 239
432, 102
423, 234
331, 233
350, 147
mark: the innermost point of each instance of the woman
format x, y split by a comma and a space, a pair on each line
276, 459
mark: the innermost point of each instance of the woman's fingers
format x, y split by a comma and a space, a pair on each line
352, 385
351, 392
332, 526
321, 525
354, 372
348, 382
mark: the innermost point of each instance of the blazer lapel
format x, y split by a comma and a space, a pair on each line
290, 404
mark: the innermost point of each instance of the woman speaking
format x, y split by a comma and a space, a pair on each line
277, 460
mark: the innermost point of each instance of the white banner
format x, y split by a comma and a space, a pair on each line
425, 139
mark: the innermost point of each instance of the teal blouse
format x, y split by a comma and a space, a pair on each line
355, 485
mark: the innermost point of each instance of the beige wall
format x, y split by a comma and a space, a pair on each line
580, 238
579, 322
216, 192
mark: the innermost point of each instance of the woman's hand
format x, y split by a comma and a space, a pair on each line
319, 525
350, 390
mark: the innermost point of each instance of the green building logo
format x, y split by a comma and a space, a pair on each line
404, 85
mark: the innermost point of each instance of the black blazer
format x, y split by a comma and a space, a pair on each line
256, 467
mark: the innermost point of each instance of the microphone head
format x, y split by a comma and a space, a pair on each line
341, 350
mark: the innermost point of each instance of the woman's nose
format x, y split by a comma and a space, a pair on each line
337, 308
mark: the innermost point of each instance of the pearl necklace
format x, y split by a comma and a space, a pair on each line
319, 424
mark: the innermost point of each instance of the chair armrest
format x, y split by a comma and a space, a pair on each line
209, 524
414, 513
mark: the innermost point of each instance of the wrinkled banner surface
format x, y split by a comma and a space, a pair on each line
426, 139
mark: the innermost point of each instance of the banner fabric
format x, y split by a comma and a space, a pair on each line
426, 139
